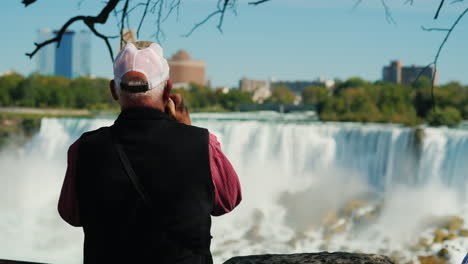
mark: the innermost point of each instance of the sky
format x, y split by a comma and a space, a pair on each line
281, 39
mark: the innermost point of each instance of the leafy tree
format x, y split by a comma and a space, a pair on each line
8, 83
448, 116
281, 95
234, 98
314, 95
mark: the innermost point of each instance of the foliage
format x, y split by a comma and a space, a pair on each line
202, 98
55, 91
231, 100
314, 95
357, 100
281, 95
448, 116
354, 100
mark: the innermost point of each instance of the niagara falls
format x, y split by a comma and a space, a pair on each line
308, 186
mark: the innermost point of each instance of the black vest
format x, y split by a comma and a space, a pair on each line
172, 162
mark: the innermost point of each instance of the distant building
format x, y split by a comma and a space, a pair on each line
184, 70
260, 88
128, 36
321, 81
82, 54
248, 85
71, 59
64, 55
45, 57
397, 73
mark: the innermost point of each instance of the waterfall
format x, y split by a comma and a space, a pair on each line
292, 171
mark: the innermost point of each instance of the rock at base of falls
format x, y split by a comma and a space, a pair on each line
313, 258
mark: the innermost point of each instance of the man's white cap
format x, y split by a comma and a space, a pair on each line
148, 61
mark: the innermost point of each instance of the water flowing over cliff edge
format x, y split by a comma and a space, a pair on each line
307, 186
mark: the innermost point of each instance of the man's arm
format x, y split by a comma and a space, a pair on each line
225, 180
68, 201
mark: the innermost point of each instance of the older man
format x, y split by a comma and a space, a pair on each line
144, 188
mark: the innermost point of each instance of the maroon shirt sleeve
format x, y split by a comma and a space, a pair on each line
68, 202
225, 180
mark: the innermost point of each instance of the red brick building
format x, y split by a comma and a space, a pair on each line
184, 70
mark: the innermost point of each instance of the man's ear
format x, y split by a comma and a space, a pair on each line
167, 91
113, 90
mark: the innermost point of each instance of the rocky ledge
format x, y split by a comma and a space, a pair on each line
313, 258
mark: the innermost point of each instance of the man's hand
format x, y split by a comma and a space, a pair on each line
177, 109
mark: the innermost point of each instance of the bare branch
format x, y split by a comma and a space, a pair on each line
28, 2
90, 21
124, 13
174, 5
447, 36
105, 38
434, 29
388, 13
357, 4
143, 17
220, 11
438, 9
439, 51
159, 31
201, 23
258, 2
221, 18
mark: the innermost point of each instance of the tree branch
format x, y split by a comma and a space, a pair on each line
388, 14
90, 21
434, 29
438, 9
124, 13
28, 2
143, 17
258, 2
221, 11
439, 51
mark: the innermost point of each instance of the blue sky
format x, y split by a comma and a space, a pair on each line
284, 39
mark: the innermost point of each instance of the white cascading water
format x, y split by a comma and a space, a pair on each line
293, 172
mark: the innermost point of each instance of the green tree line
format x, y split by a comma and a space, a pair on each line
358, 100
93, 93
55, 91
353, 100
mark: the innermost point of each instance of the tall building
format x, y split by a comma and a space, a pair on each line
45, 57
82, 54
71, 59
397, 73
260, 89
184, 70
64, 55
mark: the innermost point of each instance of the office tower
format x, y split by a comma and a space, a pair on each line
71, 59
82, 54
64, 55
45, 57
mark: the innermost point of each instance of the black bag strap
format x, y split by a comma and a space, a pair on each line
129, 170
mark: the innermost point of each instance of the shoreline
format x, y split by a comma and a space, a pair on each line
44, 112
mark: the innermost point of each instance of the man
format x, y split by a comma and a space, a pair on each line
144, 188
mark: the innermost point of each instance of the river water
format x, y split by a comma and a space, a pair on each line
307, 186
